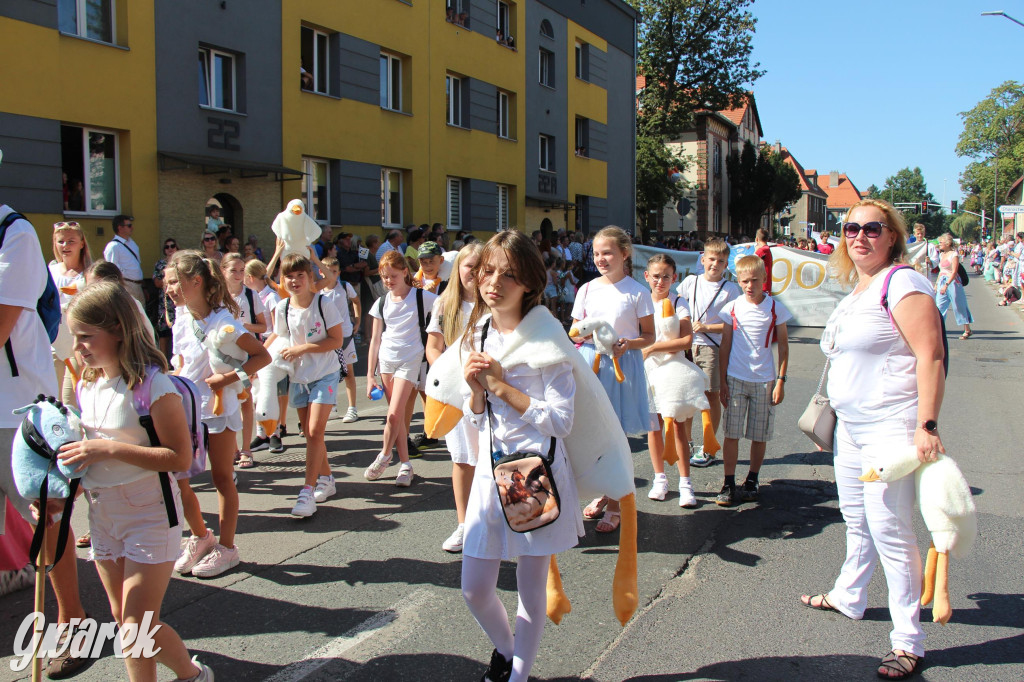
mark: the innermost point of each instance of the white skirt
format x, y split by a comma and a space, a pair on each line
462, 443
487, 533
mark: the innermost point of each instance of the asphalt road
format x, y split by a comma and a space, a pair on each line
362, 591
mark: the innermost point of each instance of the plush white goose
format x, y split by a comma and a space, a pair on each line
266, 407
946, 505
604, 338
220, 339
596, 447
295, 228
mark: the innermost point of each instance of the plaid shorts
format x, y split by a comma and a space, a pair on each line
750, 402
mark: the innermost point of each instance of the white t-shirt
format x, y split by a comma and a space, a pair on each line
243, 302
305, 325
270, 300
434, 326
751, 357
873, 373
622, 304
63, 279
108, 413
194, 364
401, 340
22, 280
705, 306
211, 323
339, 296
124, 253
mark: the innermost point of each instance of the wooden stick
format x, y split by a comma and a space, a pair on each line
37, 662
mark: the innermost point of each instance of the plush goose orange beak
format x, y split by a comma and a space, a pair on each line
439, 418
573, 333
297, 210
870, 477
667, 309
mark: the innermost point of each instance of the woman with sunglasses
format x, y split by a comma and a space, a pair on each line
885, 383
948, 289
209, 247
165, 313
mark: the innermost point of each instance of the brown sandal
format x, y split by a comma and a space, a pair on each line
822, 605
893, 666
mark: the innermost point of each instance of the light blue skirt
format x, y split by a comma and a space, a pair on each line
954, 296
630, 399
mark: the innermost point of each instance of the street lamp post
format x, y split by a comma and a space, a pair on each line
1001, 13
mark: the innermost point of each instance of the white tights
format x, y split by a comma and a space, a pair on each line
479, 588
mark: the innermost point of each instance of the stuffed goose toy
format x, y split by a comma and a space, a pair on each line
946, 505
266, 409
295, 228
222, 347
677, 385
596, 447
604, 337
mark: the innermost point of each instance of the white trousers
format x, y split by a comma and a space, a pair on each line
879, 525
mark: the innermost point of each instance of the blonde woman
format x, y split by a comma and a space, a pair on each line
71, 258
948, 289
447, 324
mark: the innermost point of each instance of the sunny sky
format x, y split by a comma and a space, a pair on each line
868, 87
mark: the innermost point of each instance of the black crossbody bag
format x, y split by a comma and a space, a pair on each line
526, 487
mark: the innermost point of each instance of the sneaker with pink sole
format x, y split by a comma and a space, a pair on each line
195, 549
219, 560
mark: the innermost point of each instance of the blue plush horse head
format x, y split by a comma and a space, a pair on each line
48, 425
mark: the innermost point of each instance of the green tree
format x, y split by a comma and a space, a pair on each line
993, 129
906, 186
965, 226
655, 164
751, 185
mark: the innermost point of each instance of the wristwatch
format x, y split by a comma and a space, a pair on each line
931, 426
781, 377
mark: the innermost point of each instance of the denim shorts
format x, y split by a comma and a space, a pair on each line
322, 391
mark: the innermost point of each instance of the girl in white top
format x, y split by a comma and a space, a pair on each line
313, 328
661, 275
626, 304
197, 283
253, 317
132, 545
447, 324
339, 293
519, 409
257, 279
398, 352
71, 258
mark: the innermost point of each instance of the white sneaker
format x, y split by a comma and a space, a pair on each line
659, 488
324, 488
686, 497
195, 549
351, 415
454, 542
205, 673
305, 505
404, 478
219, 559
376, 470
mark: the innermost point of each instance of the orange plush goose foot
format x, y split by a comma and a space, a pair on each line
625, 593
558, 602
670, 456
619, 376
711, 444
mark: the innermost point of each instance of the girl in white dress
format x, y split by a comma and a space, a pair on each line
71, 258
518, 409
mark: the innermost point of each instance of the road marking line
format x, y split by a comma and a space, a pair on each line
337, 647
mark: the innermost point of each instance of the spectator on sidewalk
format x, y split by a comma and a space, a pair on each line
949, 278
123, 252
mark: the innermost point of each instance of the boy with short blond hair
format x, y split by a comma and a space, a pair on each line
705, 295
750, 387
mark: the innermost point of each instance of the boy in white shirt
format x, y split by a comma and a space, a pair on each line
750, 388
339, 292
705, 295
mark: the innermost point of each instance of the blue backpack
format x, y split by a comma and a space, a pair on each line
48, 305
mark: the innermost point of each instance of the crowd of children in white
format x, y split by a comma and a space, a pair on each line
232, 321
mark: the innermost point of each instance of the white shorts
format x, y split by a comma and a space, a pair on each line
349, 353
225, 422
131, 521
415, 371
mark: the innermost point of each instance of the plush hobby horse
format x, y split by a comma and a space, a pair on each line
596, 447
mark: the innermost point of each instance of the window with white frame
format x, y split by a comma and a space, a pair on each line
504, 22
546, 68
502, 223
454, 203
315, 50
504, 115
315, 188
545, 153
93, 19
390, 81
582, 136
390, 197
216, 79
717, 161
89, 157
454, 96
579, 59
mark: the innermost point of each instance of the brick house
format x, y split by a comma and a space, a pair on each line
808, 213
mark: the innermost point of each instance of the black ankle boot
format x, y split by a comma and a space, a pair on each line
500, 669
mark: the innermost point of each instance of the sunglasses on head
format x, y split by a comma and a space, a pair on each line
872, 230
61, 225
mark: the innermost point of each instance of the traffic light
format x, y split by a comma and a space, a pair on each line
924, 207
952, 206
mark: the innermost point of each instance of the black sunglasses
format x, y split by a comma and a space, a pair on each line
209, 239
872, 230
170, 246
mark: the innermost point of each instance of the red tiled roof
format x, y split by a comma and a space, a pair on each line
641, 83
811, 171
736, 114
843, 196
805, 184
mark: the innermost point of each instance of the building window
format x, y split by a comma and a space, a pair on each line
315, 51
545, 153
315, 188
502, 207
454, 203
582, 136
504, 115
717, 218
390, 81
93, 19
89, 157
216, 79
457, 12
546, 30
504, 34
390, 197
546, 68
454, 94
717, 161
582, 60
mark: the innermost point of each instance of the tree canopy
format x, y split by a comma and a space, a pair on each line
993, 129
907, 185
